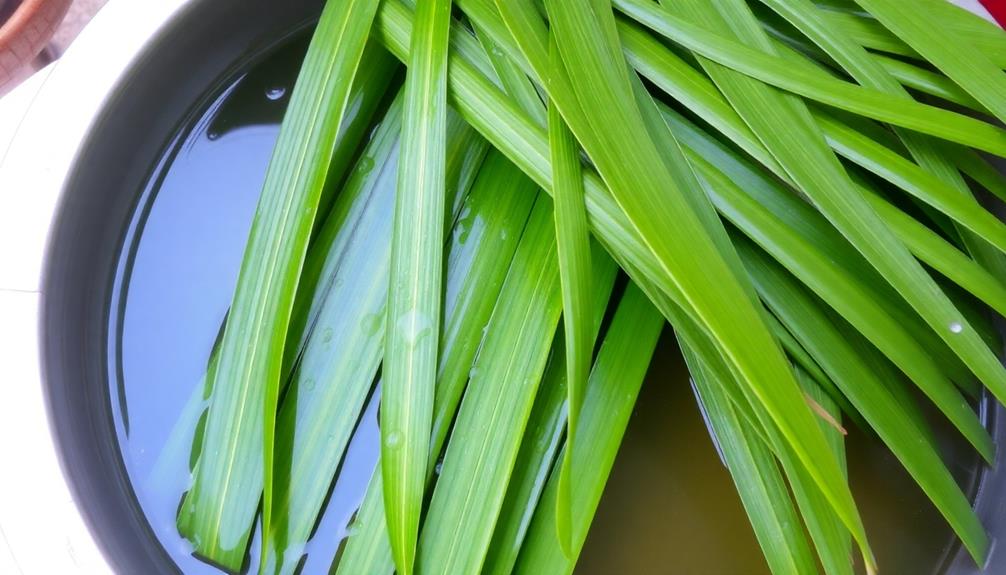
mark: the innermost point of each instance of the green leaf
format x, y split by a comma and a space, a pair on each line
539, 446
490, 423
832, 540
925, 31
622, 131
893, 167
482, 248
929, 82
573, 247
850, 298
815, 84
614, 385
414, 305
801, 218
759, 482
504, 125
336, 371
241, 420
871, 395
513, 80
939, 254
868, 32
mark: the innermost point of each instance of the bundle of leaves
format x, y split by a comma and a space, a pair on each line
789, 184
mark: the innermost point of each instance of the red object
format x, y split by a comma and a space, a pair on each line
27, 31
998, 10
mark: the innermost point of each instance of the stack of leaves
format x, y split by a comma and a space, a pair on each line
790, 184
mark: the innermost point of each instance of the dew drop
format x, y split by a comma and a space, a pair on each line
354, 527
275, 92
326, 335
309, 384
956, 327
365, 164
393, 440
439, 467
413, 326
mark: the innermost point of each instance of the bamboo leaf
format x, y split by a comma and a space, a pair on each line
614, 384
414, 305
241, 420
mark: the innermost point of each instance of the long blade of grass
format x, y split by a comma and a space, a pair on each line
490, 423
847, 295
816, 84
869, 33
242, 413
369, 87
573, 246
832, 540
585, 37
893, 167
335, 373
525, 145
484, 242
925, 31
825, 185
812, 227
337, 365
513, 80
541, 443
927, 152
413, 314
928, 82
942, 256
614, 385
803, 153
869, 394
759, 482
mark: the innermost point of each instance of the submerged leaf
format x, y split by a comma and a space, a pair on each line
241, 421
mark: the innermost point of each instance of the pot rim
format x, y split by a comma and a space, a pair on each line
37, 505
43, 529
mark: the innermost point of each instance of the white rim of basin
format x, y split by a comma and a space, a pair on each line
46, 121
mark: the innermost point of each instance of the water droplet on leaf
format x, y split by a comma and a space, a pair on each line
275, 92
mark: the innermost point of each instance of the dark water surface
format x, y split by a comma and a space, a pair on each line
670, 506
